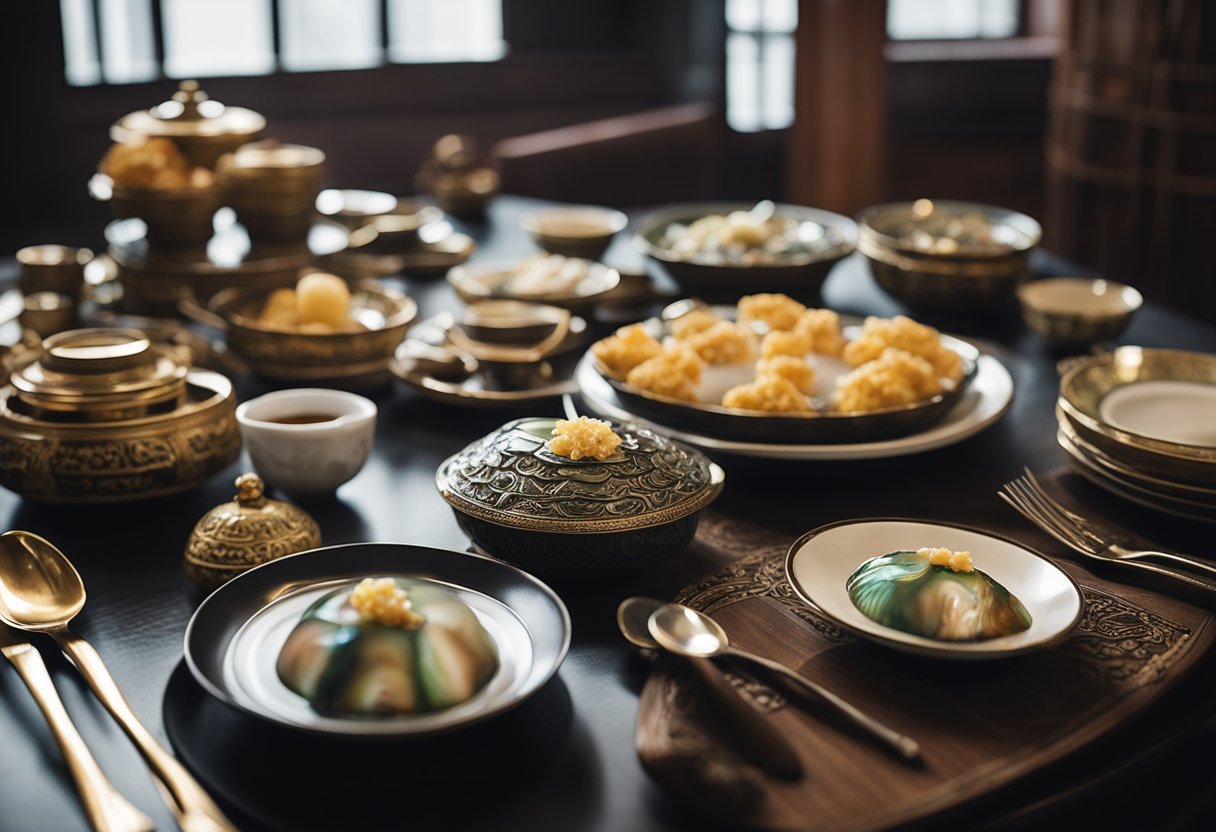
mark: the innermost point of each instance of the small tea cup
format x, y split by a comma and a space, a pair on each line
308, 441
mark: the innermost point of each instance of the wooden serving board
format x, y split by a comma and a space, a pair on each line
981, 725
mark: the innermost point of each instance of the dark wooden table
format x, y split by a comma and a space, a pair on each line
1154, 772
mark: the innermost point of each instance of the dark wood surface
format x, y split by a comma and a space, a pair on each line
582, 772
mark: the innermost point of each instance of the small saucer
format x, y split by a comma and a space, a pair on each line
820, 562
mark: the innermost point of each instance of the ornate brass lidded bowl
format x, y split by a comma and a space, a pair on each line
105, 415
248, 531
202, 127
556, 516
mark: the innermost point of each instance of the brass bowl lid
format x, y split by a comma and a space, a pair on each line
250, 530
100, 370
511, 478
190, 112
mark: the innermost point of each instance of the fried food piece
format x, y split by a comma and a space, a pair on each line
323, 299
774, 394
780, 312
785, 342
280, 311
903, 333
674, 373
583, 437
692, 323
822, 327
725, 343
790, 367
629, 347
893, 379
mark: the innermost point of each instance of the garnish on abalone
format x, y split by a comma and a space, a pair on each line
387, 646
935, 593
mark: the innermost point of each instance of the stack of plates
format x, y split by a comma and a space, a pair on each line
1141, 423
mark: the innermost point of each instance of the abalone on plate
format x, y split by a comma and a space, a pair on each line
935, 593
387, 646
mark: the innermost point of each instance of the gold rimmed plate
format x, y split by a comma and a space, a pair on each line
820, 562
233, 639
821, 425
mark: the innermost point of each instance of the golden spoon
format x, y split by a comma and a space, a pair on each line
41, 592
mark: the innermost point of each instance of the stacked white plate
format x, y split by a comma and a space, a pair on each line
1141, 423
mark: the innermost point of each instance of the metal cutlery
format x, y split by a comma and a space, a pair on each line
106, 809
1029, 499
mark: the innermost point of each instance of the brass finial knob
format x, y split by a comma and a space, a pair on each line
250, 490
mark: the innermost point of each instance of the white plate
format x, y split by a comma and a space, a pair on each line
820, 562
1172, 411
981, 405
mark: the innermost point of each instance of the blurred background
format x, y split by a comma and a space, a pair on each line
1098, 117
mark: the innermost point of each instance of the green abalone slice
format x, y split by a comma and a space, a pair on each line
347, 665
906, 592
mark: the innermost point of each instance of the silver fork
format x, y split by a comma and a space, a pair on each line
1028, 498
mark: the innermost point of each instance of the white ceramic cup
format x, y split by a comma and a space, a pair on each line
312, 458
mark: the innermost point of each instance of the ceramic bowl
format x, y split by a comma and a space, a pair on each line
556, 516
307, 441
798, 275
575, 230
966, 278
1077, 311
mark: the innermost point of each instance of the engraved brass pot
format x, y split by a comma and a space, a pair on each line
559, 517
104, 415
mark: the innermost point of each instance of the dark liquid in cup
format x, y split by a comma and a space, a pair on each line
303, 419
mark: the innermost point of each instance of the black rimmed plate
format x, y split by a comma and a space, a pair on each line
233, 639
820, 562
819, 426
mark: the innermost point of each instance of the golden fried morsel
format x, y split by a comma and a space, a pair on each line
674, 373
629, 347
822, 327
895, 378
320, 304
774, 394
776, 310
155, 163
789, 367
281, 310
903, 333
725, 343
690, 323
583, 437
380, 600
781, 342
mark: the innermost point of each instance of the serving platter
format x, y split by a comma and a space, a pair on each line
820, 562
233, 639
822, 425
985, 401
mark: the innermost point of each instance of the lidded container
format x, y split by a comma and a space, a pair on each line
246, 532
557, 516
203, 128
102, 415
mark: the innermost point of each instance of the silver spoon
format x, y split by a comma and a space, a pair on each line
763, 744
106, 809
688, 632
41, 592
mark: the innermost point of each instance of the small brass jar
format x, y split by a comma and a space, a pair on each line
252, 529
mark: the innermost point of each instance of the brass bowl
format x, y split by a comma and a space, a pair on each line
578, 518
339, 358
1077, 311
1086, 384
272, 188
800, 275
946, 281
103, 415
465, 193
575, 230
173, 217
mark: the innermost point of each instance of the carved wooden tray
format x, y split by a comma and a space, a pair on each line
981, 725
